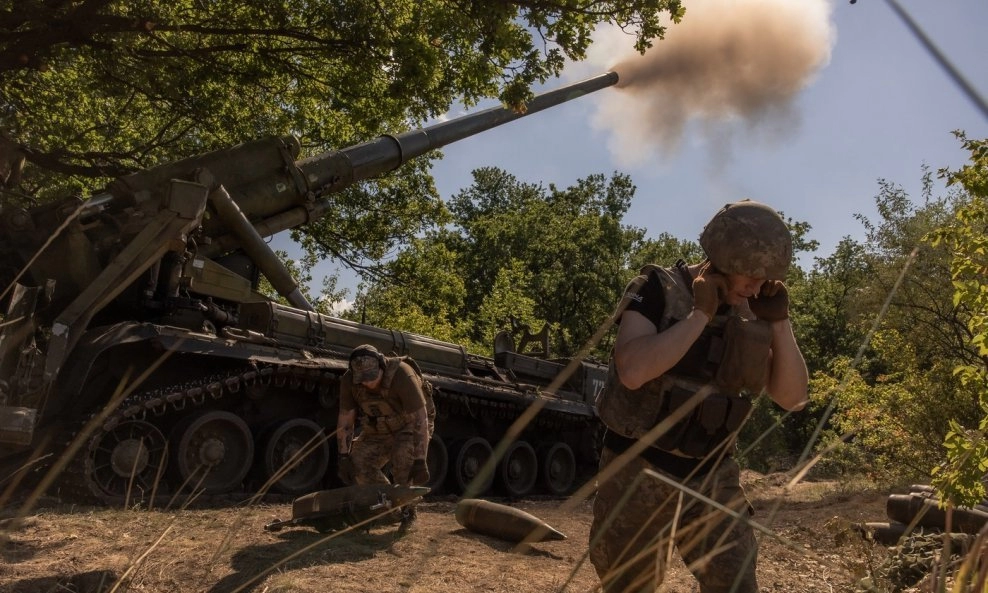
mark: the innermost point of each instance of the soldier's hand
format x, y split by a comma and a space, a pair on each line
772, 301
420, 473
708, 287
346, 470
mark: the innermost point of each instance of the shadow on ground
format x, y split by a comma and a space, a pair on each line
301, 549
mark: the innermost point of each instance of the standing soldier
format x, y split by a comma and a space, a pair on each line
694, 345
396, 421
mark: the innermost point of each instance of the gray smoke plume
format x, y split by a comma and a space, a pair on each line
728, 64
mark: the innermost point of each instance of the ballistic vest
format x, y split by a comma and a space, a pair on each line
705, 398
382, 411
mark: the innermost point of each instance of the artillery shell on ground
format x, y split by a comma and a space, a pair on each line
340, 508
503, 522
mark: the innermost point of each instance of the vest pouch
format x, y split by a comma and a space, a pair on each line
717, 421
704, 432
740, 410
369, 426
428, 390
393, 424
629, 413
372, 404
676, 397
713, 413
745, 363
385, 424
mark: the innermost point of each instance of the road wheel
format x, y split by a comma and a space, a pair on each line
518, 469
469, 473
126, 462
438, 461
558, 466
213, 451
296, 455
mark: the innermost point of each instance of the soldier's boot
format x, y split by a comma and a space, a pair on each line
408, 516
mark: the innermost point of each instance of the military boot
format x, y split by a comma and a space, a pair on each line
408, 516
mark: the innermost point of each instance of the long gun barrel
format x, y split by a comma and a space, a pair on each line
276, 192
333, 171
387, 153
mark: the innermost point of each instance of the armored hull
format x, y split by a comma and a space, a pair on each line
243, 412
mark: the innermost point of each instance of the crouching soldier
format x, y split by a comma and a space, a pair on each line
394, 406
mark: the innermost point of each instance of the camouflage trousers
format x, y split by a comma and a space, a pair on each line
371, 452
631, 540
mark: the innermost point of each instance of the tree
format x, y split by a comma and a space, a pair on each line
891, 397
94, 89
543, 255
300, 270
825, 318
423, 294
826, 309
962, 475
664, 251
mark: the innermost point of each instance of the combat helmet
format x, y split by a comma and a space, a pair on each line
748, 238
366, 362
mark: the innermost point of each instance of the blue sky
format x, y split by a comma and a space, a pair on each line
880, 107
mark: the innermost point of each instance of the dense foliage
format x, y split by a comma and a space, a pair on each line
93, 89
539, 254
912, 394
963, 475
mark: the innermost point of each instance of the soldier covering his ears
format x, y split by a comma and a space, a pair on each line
695, 343
396, 416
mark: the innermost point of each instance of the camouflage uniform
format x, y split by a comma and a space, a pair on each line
385, 436
630, 552
372, 451
689, 418
636, 523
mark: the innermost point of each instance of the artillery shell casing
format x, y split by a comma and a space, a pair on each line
503, 522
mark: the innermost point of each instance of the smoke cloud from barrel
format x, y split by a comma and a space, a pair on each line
728, 66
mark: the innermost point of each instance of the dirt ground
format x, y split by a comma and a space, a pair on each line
59, 549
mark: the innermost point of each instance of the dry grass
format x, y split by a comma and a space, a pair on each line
227, 550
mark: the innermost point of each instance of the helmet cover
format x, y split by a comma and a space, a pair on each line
366, 362
750, 239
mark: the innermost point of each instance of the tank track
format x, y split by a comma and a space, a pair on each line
78, 480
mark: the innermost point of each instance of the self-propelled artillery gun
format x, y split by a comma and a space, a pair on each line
137, 357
